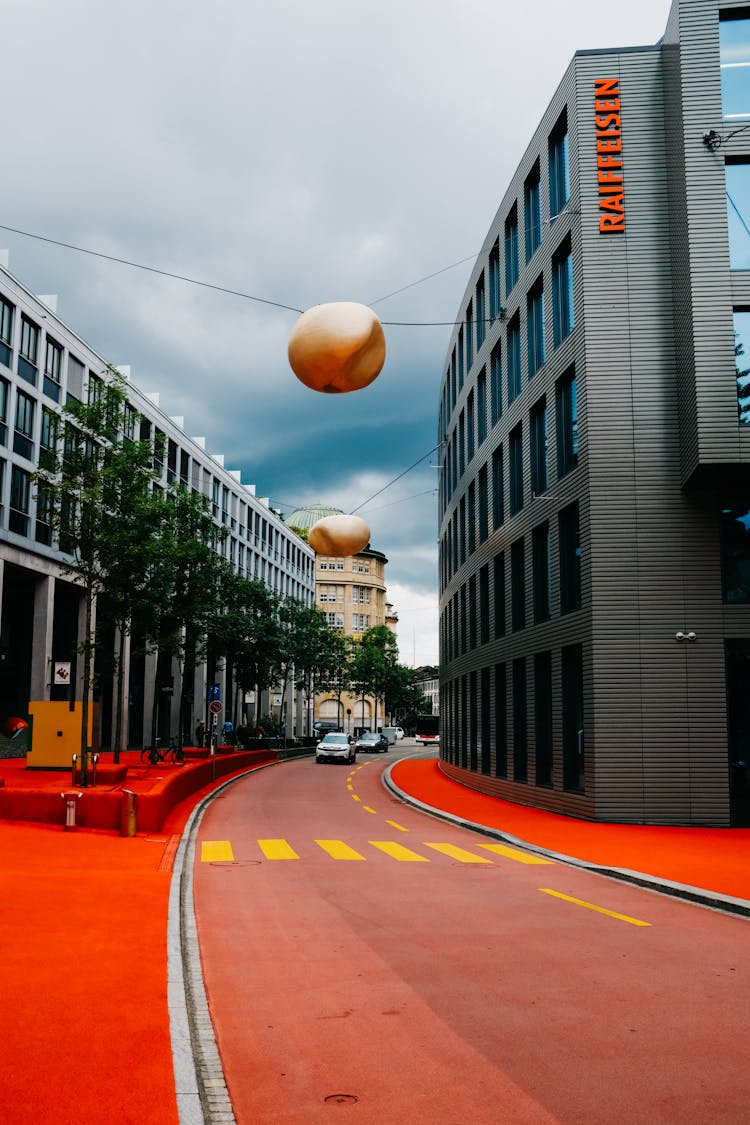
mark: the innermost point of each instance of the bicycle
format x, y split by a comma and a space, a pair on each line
151, 756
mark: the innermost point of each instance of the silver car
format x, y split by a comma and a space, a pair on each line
335, 747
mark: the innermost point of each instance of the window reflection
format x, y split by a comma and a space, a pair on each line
738, 214
734, 46
736, 554
742, 365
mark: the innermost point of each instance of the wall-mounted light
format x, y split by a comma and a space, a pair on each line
712, 140
680, 637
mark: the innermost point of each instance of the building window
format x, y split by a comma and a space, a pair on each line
567, 423
460, 357
75, 378
48, 438
520, 733
574, 778
734, 57
482, 406
494, 272
129, 424
538, 447
515, 469
53, 361
514, 358
27, 359
461, 444
20, 489
535, 327
511, 249
473, 612
462, 530
742, 365
4, 400
735, 555
559, 188
562, 293
470, 427
472, 510
480, 311
496, 384
485, 744
501, 722
23, 438
43, 532
462, 620
517, 586
532, 211
482, 504
498, 591
6, 332
498, 508
570, 559
543, 717
484, 604
541, 575
469, 336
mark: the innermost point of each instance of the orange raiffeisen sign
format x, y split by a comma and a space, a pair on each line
609, 156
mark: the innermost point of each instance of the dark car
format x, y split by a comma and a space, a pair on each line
371, 743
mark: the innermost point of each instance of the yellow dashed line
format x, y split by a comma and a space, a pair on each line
513, 853
277, 849
397, 851
458, 853
598, 909
350, 788
368, 809
337, 849
355, 797
216, 851
399, 826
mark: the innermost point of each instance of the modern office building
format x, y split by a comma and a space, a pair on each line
351, 591
43, 365
594, 422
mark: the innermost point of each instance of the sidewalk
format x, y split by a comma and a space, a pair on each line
707, 865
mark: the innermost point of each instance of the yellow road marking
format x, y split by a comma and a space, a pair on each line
350, 788
277, 849
458, 853
337, 849
368, 809
397, 851
513, 853
399, 826
355, 797
216, 851
598, 909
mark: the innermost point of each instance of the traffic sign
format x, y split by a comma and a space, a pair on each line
215, 706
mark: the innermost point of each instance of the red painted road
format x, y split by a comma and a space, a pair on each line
382, 992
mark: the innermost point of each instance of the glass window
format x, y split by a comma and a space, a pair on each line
501, 730
520, 746
469, 335
494, 267
471, 509
541, 576
50, 422
496, 384
532, 212
543, 717
482, 501
511, 249
484, 604
460, 355
559, 188
515, 469
535, 327
6, 331
482, 406
514, 358
470, 427
498, 514
20, 489
735, 554
562, 293
538, 447
480, 312
53, 361
473, 612
734, 54
572, 718
517, 586
24, 414
498, 579
742, 365
570, 559
567, 423
29, 340
461, 444
462, 529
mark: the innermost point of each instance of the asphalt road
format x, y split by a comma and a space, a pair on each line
366, 962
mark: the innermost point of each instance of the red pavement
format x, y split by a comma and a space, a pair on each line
83, 1009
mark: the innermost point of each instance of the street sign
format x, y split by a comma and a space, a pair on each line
62, 672
215, 706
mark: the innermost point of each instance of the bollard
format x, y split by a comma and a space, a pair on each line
75, 763
71, 798
94, 760
127, 813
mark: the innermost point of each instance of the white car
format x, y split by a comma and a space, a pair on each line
399, 733
335, 747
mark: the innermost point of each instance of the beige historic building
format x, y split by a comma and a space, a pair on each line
351, 591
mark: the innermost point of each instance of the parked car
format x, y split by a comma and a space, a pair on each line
390, 734
371, 743
335, 747
323, 726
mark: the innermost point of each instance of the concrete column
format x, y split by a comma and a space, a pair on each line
125, 688
41, 642
149, 686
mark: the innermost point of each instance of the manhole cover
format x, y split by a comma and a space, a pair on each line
341, 1099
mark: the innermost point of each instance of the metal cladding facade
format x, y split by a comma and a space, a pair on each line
591, 450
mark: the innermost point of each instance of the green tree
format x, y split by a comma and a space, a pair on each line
743, 383
373, 659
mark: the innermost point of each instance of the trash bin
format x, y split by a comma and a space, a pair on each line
127, 813
71, 798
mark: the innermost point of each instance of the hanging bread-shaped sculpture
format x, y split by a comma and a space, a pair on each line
339, 536
338, 347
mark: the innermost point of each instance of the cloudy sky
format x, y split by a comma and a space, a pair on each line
296, 151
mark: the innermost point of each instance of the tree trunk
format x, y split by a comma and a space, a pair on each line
86, 689
117, 740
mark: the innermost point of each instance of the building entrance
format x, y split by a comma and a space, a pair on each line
738, 722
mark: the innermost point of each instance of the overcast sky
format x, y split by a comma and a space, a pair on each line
300, 152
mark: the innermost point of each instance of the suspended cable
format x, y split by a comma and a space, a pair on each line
414, 496
738, 213
428, 277
390, 482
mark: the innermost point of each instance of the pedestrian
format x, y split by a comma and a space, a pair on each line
200, 733
227, 731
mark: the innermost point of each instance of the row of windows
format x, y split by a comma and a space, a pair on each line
360, 594
486, 305
484, 410
477, 612
485, 727
478, 512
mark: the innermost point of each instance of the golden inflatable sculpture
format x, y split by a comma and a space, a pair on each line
338, 347
339, 536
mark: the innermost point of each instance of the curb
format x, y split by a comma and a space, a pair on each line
711, 899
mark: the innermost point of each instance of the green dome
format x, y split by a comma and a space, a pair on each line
305, 518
